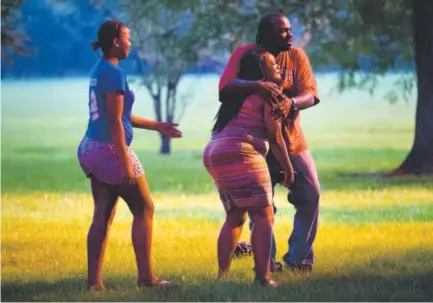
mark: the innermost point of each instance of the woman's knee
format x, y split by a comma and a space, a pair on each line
101, 225
262, 214
236, 217
144, 210
149, 209
139, 200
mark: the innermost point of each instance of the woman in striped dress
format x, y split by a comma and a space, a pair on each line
235, 157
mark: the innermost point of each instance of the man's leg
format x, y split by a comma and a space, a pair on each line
276, 177
305, 195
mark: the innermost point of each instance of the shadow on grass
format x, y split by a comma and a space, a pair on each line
407, 277
394, 213
376, 180
57, 170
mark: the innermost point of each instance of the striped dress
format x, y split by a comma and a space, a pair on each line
236, 159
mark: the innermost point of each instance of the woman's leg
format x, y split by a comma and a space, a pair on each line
261, 239
229, 237
105, 200
141, 205
274, 265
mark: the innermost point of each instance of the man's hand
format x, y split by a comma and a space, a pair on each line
289, 178
168, 129
286, 106
268, 89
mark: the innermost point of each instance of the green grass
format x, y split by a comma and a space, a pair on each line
375, 240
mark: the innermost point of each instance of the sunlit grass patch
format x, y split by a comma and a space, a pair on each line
44, 259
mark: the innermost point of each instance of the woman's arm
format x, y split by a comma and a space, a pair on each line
144, 123
165, 128
277, 144
114, 111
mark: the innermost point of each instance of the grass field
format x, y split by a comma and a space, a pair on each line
375, 240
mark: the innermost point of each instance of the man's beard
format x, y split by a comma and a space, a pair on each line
284, 46
277, 48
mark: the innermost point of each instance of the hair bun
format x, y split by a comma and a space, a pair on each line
96, 45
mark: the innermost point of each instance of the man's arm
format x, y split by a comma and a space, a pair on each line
237, 87
301, 101
247, 87
230, 86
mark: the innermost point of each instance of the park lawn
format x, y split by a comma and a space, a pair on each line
383, 255
375, 240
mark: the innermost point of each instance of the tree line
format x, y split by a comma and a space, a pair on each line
174, 37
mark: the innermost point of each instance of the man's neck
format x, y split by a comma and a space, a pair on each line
272, 49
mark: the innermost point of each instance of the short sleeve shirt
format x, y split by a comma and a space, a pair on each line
107, 78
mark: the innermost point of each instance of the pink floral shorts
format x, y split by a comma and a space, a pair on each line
101, 160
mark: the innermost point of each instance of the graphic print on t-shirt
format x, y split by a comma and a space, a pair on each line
94, 113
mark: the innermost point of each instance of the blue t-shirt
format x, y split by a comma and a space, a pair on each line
107, 78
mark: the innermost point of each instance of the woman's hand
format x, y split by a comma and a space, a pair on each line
128, 175
168, 129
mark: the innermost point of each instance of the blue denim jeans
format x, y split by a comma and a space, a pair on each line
304, 195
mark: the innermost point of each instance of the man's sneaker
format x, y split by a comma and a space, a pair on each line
243, 249
302, 268
276, 266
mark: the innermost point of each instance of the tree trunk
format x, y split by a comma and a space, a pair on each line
165, 145
420, 158
170, 107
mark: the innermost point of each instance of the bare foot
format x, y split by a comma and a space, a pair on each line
221, 277
96, 288
159, 284
266, 283
222, 274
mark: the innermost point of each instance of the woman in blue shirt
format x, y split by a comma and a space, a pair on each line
106, 158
